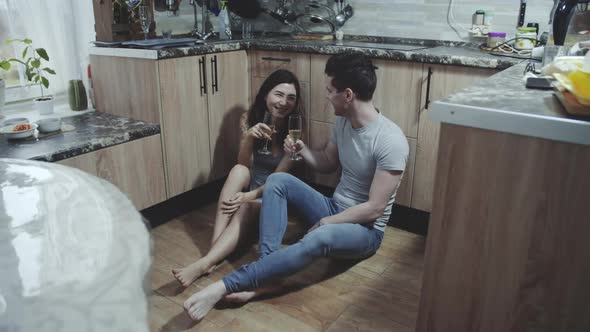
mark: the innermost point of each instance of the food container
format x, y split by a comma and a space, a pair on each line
526, 38
13, 132
496, 39
49, 125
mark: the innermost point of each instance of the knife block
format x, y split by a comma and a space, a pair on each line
113, 21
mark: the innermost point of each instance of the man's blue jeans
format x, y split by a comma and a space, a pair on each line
353, 241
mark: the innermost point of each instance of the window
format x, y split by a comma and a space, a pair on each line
63, 28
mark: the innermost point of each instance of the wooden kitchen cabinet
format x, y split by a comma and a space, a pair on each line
185, 123
397, 94
197, 100
263, 63
227, 101
136, 168
202, 100
444, 80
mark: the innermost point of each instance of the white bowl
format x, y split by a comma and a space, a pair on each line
9, 132
49, 125
14, 121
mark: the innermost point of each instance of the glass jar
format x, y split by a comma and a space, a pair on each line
496, 39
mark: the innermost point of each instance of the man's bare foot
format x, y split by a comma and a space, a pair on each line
243, 297
188, 274
200, 303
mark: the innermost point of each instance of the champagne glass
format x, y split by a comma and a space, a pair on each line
144, 18
267, 121
295, 124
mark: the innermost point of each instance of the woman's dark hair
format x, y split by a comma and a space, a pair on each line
258, 108
355, 71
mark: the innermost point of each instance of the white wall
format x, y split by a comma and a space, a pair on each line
427, 19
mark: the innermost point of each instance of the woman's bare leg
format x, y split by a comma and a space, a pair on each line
225, 244
237, 180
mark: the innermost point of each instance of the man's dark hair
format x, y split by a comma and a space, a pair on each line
355, 71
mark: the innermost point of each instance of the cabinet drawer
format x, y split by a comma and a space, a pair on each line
263, 63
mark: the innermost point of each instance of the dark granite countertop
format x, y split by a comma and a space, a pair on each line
426, 51
503, 103
92, 131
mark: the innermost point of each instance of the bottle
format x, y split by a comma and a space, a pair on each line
478, 17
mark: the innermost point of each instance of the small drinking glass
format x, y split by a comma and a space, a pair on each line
267, 121
144, 19
295, 124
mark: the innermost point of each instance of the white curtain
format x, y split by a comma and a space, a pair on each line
63, 28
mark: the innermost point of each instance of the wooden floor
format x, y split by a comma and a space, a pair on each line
378, 294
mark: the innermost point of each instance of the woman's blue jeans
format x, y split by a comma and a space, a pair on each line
353, 241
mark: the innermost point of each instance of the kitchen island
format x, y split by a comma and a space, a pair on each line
507, 246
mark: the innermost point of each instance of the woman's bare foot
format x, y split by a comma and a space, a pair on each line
200, 303
188, 274
243, 297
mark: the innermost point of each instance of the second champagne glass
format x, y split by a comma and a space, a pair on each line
295, 124
144, 19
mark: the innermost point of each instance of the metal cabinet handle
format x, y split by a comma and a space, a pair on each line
202, 76
269, 58
428, 88
214, 81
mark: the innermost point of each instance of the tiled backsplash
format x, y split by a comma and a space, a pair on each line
424, 19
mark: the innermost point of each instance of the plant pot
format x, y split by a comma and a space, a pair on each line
2, 94
44, 104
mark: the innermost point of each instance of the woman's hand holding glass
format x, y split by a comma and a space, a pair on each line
261, 131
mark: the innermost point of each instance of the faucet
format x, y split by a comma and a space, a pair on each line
203, 35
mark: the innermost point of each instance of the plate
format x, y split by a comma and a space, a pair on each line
10, 134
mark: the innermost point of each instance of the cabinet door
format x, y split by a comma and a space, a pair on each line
397, 94
444, 81
136, 168
320, 135
185, 123
227, 99
398, 91
321, 109
263, 63
126, 87
404, 192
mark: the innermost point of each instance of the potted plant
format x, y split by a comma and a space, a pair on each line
35, 72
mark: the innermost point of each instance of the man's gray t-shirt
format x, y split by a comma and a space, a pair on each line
379, 145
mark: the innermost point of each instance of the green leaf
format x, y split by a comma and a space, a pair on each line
42, 53
36, 63
25, 52
27, 41
36, 78
45, 82
5, 65
29, 73
49, 70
